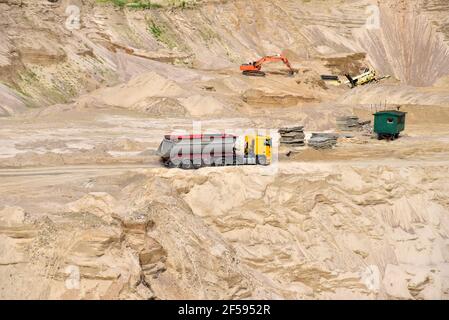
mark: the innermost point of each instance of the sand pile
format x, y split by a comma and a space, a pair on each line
160, 107
155, 96
137, 89
199, 105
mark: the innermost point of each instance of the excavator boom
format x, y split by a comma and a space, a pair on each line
254, 68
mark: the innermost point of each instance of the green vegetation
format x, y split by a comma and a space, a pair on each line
208, 35
155, 30
29, 76
148, 4
140, 4
182, 4
161, 34
119, 3
143, 5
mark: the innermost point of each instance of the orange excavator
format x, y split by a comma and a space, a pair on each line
254, 68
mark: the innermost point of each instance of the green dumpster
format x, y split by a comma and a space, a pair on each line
389, 123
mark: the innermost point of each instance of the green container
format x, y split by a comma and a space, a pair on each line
389, 123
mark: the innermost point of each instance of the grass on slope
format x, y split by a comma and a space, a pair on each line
148, 4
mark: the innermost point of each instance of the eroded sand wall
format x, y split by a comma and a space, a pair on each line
407, 47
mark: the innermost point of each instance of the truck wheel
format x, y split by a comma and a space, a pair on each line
186, 164
207, 162
170, 164
218, 162
262, 160
230, 161
197, 165
176, 163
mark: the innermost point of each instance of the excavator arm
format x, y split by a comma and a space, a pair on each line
254, 68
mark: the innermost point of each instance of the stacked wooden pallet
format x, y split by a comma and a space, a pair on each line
348, 123
294, 136
323, 140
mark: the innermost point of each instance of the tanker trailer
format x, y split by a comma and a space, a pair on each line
203, 150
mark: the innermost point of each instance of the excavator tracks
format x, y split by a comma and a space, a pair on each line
254, 73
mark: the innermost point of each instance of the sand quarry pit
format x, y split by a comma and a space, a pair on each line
83, 192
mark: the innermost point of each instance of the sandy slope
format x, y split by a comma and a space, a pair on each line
309, 231
40, 58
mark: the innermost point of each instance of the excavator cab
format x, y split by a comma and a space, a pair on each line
258, 148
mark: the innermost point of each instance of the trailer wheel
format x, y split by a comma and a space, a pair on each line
176, 163
186, 164
207, 162
262, 160
197, 164
218, 162
230, 161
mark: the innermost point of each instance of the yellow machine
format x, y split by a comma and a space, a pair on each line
368, 76
258, 148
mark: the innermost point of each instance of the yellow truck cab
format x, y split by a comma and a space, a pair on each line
258, 147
